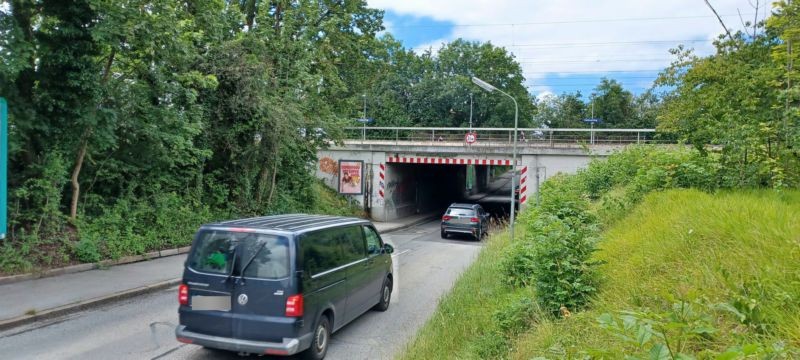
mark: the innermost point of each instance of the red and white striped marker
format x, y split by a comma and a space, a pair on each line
382, 180
447, 161
523, 189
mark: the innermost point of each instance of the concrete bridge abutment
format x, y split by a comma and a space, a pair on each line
400, 181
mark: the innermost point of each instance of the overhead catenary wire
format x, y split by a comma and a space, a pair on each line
587, 84
577, 21
594, 61
608, 43
597, 71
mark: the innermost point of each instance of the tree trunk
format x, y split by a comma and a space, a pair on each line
263, 177
272, 187
84, 145
76, 186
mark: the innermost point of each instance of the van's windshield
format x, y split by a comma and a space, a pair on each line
214, 252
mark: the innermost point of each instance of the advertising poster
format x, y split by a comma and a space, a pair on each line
351, 177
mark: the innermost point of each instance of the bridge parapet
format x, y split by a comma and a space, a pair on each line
501, 137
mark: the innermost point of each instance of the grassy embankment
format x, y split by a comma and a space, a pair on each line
731, 258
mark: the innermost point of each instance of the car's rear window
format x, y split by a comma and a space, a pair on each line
217, 251
460, 212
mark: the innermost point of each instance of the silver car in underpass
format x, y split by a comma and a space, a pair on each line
468, 219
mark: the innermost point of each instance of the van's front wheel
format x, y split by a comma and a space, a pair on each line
320, 341
386, 296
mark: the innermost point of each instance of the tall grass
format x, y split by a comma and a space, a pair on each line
464, 325
739, 249
732, 248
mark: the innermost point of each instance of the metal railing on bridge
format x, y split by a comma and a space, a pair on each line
494, 137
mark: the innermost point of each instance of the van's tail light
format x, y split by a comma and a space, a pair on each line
294, 305
473, 219
446, 218
183, 294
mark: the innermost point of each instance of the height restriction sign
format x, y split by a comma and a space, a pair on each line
471, 138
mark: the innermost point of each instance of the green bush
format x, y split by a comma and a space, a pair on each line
564, 272
135, 226
516, 317
517, 265
87, 251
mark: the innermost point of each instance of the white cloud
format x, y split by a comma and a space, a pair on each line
561, 37
544, 93
434, 46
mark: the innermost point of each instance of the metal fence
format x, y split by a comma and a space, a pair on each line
501, 136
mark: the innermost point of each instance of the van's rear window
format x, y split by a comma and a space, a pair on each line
217, 251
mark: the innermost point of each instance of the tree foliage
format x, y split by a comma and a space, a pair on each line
134, 120
609, 102
743, 100
434, 89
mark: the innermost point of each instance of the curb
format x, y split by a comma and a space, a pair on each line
85, 304
421, 220
121, 295
4, 280
86, 267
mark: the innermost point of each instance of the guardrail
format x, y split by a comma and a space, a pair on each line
445, 136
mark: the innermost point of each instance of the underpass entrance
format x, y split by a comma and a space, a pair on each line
416, 185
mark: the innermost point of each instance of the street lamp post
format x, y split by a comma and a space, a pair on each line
470, 112
490, 88
591, 132
364, 128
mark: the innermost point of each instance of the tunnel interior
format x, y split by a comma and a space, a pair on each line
422, 188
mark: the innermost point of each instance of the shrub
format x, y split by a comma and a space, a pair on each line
134, 226
564, 273
517, 264
516, 317
87, 251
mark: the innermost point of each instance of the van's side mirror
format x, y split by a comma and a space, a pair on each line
388, 249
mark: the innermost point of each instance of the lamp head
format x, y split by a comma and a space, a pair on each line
483, 84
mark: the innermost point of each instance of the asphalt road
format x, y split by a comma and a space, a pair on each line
426, 267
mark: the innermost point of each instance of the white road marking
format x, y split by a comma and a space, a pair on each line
396, 272
400, 253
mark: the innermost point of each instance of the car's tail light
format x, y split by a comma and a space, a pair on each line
446, 218
183, 294
473, 219
294, 305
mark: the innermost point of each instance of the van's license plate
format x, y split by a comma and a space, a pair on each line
218, 303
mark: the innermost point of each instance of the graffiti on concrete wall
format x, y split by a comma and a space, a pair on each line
330, 170
399, 192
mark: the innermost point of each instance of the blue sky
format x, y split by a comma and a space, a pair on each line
569, 45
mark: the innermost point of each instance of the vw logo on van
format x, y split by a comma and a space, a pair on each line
242, 299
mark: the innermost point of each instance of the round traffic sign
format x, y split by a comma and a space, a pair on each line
471, 138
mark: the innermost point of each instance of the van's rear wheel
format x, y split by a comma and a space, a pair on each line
386, 296
320, 340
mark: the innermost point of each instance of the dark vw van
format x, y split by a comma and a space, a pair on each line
280, 285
